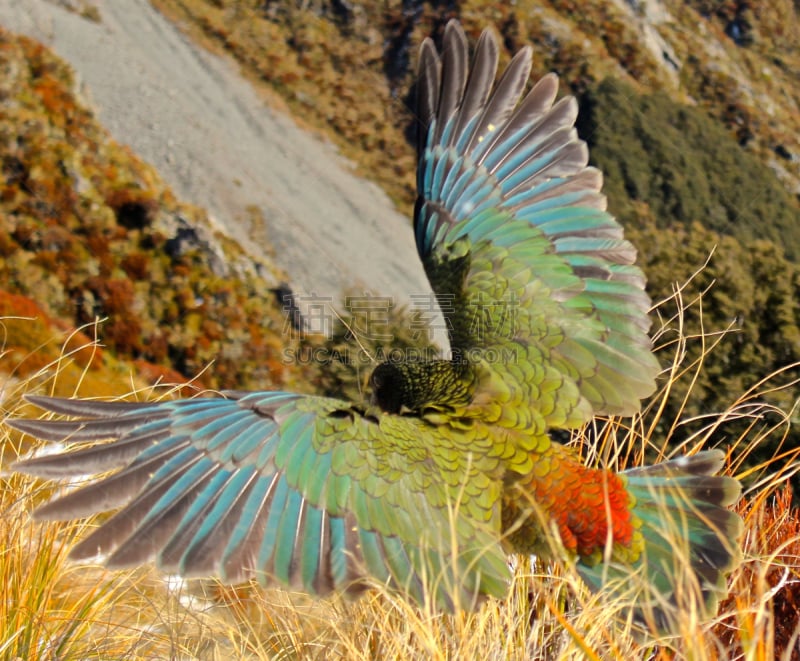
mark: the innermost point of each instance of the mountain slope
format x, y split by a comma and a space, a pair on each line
274, 188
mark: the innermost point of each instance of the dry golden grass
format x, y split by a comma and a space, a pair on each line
52, 609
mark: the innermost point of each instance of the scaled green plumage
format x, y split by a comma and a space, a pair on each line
449, 467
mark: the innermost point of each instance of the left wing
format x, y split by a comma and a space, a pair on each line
311, 492
532, 274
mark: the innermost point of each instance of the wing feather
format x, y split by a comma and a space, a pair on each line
305, 491
500, 105
477, 88
229, 487
453, 80
511, 225
428, 82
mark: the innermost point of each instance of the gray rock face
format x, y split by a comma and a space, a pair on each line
219, 146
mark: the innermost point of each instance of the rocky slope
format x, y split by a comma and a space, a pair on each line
278, 190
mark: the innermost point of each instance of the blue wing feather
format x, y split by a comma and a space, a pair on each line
339, 554
238, 425
279, 495
194, 465
196, 521
372, 553
244, 509
284, 539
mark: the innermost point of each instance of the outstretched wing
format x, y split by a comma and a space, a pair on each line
307, 491
510, 224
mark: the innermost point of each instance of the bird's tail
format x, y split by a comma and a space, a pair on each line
689, 542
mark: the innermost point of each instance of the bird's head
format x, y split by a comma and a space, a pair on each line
388, 384
415, 387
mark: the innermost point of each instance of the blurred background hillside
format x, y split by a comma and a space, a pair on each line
691, 109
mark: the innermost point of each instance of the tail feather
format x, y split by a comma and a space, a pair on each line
690, 543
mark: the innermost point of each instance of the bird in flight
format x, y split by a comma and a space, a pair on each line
449, 467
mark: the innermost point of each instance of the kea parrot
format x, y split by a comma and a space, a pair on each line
449, 466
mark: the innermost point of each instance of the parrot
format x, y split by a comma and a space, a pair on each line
450, 466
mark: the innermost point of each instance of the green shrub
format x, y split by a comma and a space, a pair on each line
684, 166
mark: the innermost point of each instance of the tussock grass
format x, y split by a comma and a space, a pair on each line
53, 609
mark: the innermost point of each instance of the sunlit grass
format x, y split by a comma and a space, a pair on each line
54, 609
